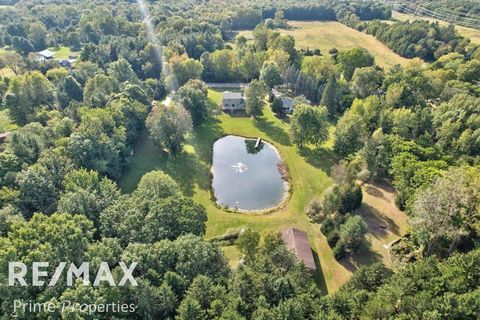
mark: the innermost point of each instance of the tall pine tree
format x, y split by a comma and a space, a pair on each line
330, 96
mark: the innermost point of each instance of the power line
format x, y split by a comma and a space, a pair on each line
416, 9
425, 10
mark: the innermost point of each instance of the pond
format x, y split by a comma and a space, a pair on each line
247, 178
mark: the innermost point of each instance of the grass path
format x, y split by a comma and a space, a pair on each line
308, 170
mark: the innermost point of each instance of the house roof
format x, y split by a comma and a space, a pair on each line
297, 242
287, 102
46, 53
232, 95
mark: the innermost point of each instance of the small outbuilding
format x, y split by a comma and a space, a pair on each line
297, 242
287, 105
287, 102
232, 101
45, 55
67, 63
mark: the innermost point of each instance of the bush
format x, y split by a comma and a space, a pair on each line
327, 226
343, 199
227, 239
339, 251
332, 238
277, 106
350, 198
352, 233
314, 210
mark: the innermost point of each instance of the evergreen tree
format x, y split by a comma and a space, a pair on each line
329, 96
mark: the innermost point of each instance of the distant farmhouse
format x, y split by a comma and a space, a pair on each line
45, 55
232, 101
68, 63
287, 101
297, 242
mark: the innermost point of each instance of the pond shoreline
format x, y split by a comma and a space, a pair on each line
281, 168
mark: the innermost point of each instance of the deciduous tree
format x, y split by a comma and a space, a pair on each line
309, 125
169, 127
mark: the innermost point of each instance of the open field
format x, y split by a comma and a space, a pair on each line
328, 35
5, 50
62, 52
6, 72
472, 34
309, 177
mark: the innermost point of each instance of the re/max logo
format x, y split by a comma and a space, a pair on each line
17, 272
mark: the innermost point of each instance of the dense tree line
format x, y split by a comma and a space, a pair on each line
422, 39
461, 12
413, 135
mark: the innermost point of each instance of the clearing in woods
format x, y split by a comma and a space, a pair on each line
62, 52
309, 171
329, 34
326, 35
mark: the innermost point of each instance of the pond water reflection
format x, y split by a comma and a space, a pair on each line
245, 177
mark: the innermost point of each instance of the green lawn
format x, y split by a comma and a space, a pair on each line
62, 52
5, 50
308, 170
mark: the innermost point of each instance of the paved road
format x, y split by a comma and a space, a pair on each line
227, 85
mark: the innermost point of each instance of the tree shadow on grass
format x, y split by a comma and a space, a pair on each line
374, 191
354, 261
272, 130
187, 168
183, 169
237, 114
318, 275
204, 137
193, 166
202, 142
320, 157
285, 119
379, 225
384, 185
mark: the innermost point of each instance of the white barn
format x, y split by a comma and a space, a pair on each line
45, 55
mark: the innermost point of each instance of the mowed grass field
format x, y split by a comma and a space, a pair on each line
329, 34
309, 176
62, 52
472, 34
